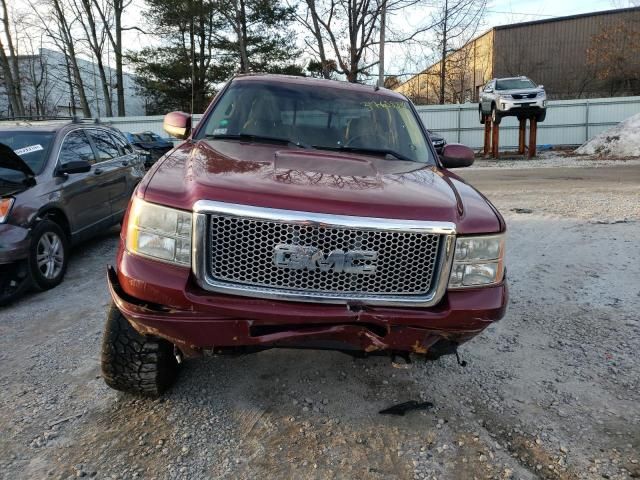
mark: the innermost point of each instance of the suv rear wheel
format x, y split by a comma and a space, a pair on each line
48, 256
135, 363
481, 115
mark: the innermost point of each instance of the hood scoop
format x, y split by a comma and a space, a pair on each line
329, 163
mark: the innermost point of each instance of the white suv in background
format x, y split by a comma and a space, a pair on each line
515, 96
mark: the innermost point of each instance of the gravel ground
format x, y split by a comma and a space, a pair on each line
551, 391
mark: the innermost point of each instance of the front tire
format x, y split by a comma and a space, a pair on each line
135, 363
48, 255
481, 115
540, 116
496, 117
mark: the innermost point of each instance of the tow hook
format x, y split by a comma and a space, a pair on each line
178, 354
462, 363
400, 360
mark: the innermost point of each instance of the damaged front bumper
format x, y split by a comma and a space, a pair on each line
200, 322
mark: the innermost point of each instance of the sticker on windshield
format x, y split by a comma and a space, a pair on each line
220, 131
29, 149
386, 104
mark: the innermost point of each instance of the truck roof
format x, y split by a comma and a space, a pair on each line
319, 82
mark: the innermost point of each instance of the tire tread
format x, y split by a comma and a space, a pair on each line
135, 363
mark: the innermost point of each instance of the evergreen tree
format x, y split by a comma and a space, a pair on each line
222, 38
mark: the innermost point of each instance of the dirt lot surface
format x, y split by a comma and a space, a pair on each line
551, 391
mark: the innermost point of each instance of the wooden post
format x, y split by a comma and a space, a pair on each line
533, 134
487, 135
522, 135
495, 141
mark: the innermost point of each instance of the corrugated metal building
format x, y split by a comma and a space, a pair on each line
579, 56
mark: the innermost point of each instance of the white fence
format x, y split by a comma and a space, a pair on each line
151, 123
568, 122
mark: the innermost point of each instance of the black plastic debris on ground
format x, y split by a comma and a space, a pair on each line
522, 210
402, 408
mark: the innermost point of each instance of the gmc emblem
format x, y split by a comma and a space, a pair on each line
301, 257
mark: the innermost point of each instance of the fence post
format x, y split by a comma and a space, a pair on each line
586, 122
459, 120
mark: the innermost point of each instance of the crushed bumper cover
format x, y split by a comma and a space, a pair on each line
199, 322
14, 243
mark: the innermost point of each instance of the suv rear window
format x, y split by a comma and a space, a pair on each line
32, 147
322, 117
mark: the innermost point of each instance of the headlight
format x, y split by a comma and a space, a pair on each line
477, 261
159, 232
5, 208
541, 94
505, 96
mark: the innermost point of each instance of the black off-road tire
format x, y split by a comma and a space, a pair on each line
38, 279
481, 115
496, 117
540, 116
135, 363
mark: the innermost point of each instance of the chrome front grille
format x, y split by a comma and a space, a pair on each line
242, 251
345, 259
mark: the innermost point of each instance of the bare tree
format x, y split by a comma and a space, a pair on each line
57, 21
10, 66
348, 28
95, 34
456, 22
235, 12
38, 75
310, 20
114, 9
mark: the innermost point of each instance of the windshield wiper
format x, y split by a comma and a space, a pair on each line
373, 151
256, 138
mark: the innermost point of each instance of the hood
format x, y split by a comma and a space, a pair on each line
520, 90
316, 181
10, 159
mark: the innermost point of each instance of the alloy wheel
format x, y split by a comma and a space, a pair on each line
50, 255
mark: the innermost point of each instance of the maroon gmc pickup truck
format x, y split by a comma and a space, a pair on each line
300, 213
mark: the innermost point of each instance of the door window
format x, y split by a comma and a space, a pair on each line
106, 147
76, 148
123, 145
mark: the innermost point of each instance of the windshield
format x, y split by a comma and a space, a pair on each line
514, 83
32, 147
319, 117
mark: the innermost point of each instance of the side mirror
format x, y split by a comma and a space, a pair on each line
541, 87
76, 166
489, 90
456, 155
177, 124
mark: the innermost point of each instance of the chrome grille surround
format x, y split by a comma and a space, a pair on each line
241, 261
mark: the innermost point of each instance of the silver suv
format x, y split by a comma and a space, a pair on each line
515, 96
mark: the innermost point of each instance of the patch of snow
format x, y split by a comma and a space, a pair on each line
623, 140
